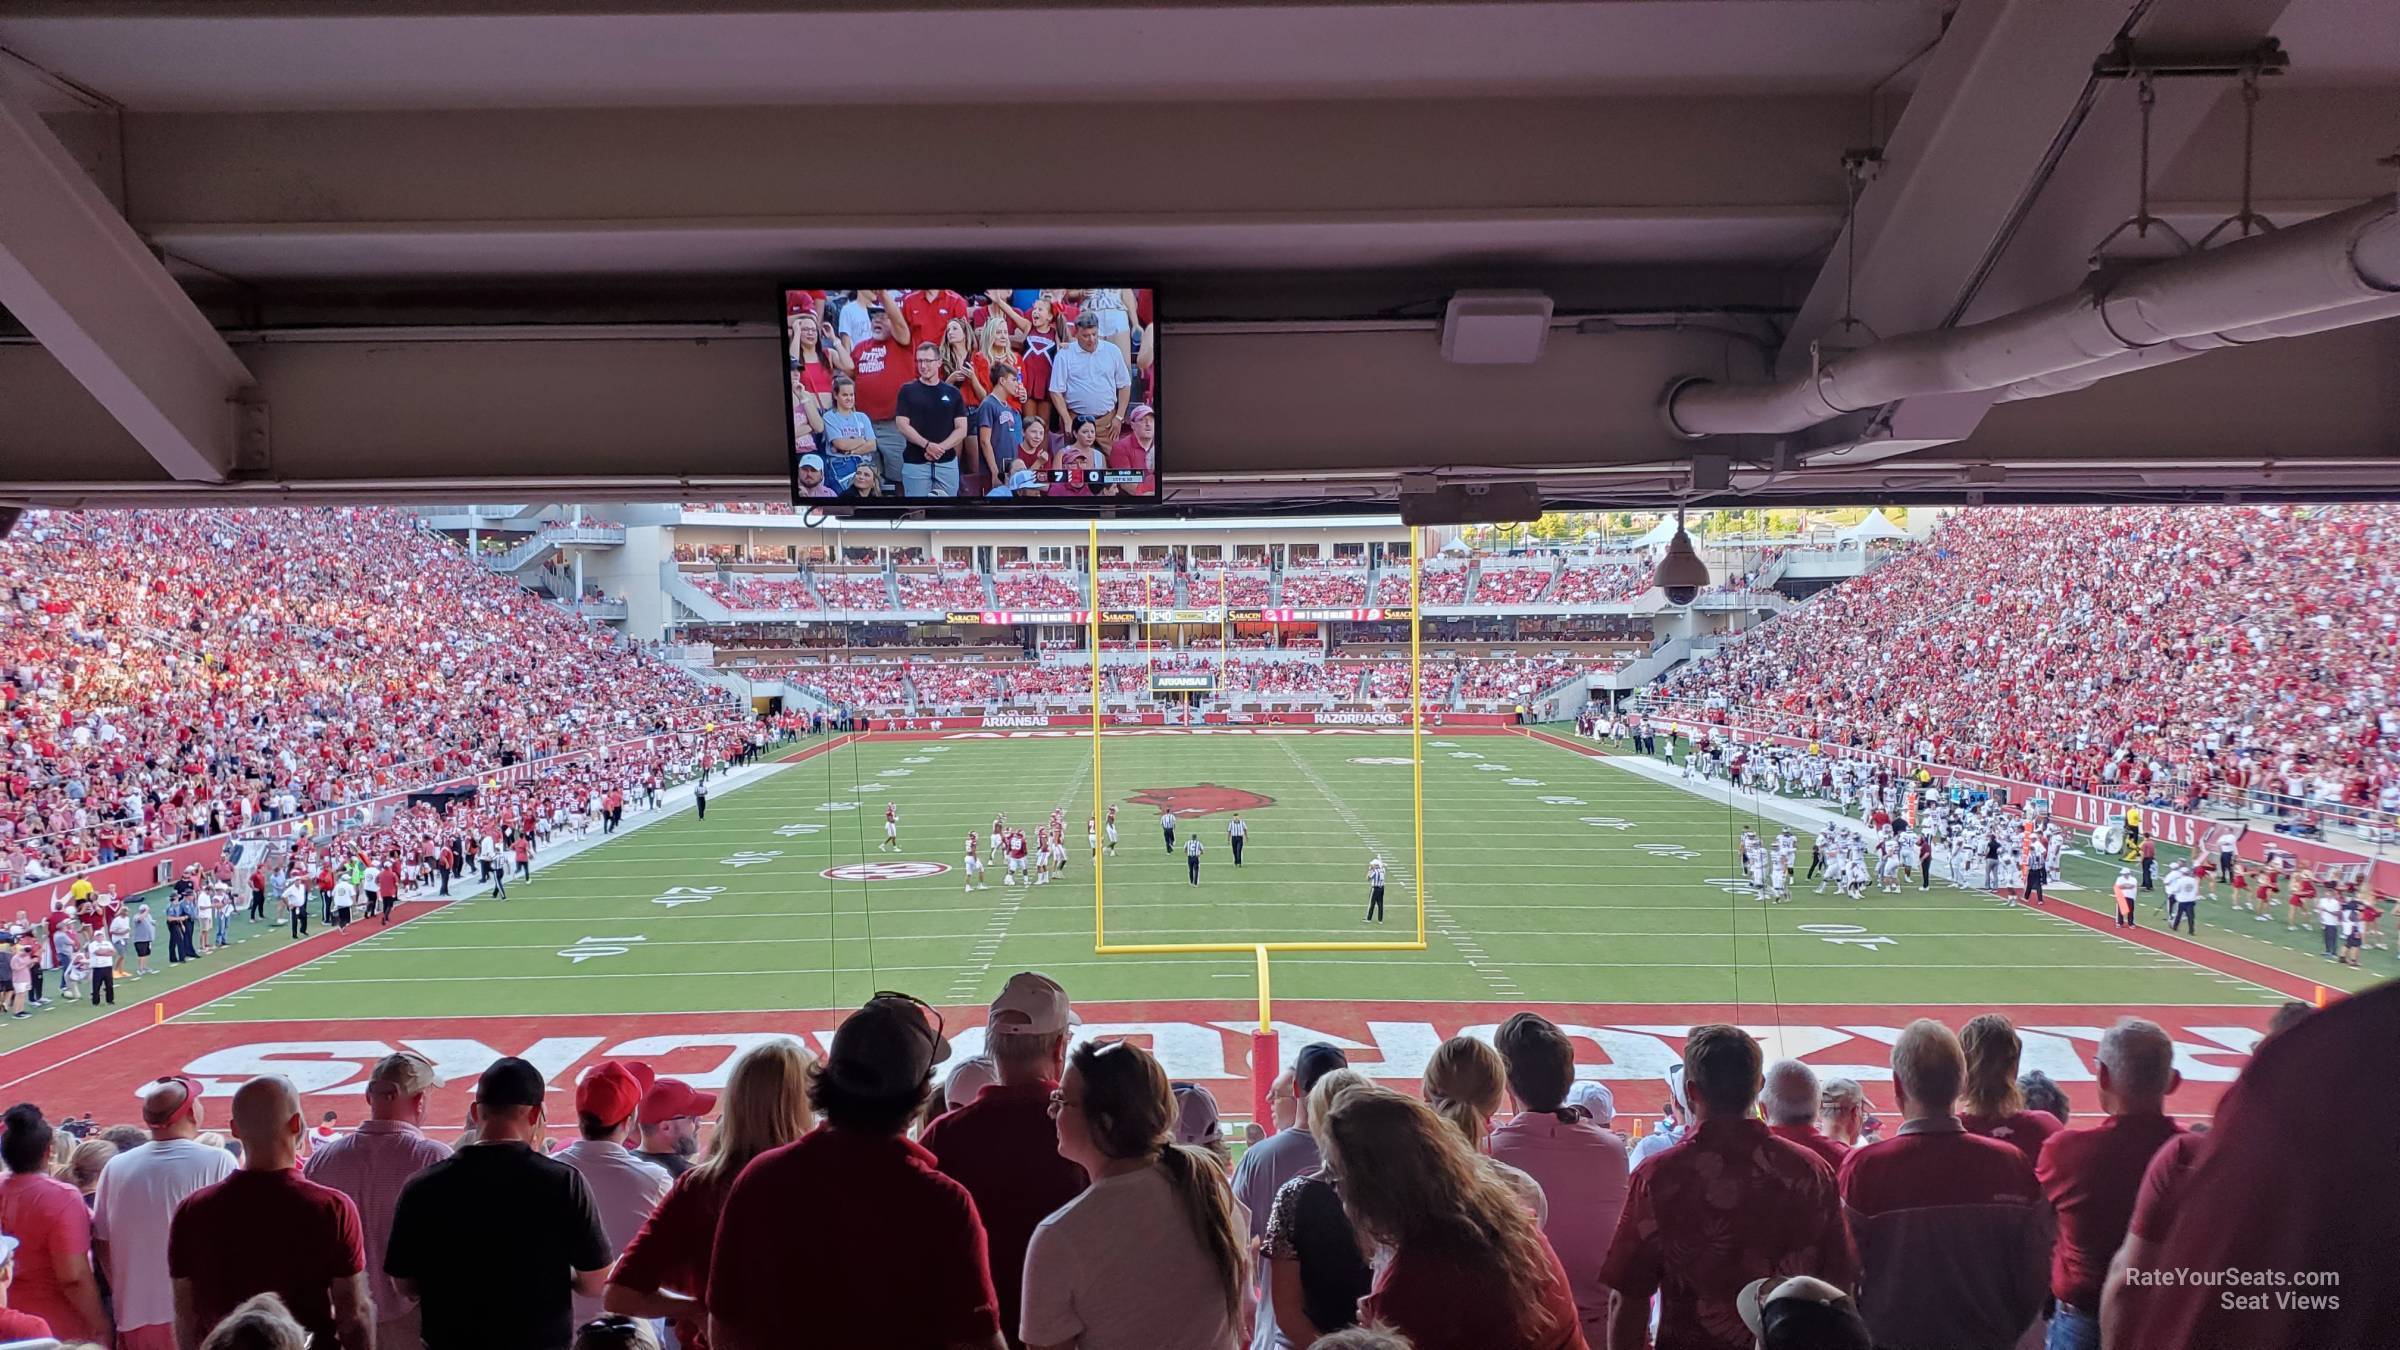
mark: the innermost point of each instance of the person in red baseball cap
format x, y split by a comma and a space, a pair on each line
671, 1115
626, 1187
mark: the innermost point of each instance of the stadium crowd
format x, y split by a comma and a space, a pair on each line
1322, 588
950, 394
167, 676
1512, 584
1049, 1193
2152, 653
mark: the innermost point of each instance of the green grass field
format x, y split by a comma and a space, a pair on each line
1551, 877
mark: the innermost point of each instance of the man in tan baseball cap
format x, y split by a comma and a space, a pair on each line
371, 1164
1002, 1146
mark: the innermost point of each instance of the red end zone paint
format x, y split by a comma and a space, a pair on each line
1627, 1045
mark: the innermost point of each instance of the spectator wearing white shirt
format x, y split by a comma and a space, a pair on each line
1090, 378
626, 1187
1150, 1256
103, 956
371, 1164
139, 1191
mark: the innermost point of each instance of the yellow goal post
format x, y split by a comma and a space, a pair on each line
1265, 1052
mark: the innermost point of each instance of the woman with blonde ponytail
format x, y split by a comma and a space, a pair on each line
1469, 1269
1151, 1256
1465, 1082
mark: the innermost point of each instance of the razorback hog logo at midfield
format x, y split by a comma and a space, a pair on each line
1207, 799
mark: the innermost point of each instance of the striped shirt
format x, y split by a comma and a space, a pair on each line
370, 1165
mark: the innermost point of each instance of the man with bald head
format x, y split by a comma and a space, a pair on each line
316, 1259
139, 1191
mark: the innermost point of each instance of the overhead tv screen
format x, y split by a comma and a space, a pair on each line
1002, 398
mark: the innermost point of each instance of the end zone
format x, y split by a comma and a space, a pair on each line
1628, 1046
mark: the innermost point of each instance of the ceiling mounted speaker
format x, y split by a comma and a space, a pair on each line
1495, 328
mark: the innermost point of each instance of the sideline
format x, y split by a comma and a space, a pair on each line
2196, 953
68, 1044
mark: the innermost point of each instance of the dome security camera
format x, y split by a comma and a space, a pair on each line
1681, 574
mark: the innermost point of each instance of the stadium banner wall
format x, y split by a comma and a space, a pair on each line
1444, 721
2088, 812
144, 871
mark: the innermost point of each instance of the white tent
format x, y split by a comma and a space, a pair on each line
1661, 534
1875, 526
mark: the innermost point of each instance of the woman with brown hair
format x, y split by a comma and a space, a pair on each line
1315, 1272
664, 1272
1992, 1105
1150, 1256
1469, 1268
1465, 1082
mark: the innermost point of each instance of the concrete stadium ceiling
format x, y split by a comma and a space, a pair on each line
282, 250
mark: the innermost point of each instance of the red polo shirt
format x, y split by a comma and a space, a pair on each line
2297, 1178
2024, 1131
893, 1260
1003, 1148
1815, 1141
213, 1242
2163, 1188
2093, 1176
1728, 1205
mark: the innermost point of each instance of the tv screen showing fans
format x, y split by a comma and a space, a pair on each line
1005, 397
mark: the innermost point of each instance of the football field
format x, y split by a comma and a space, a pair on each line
1552, 878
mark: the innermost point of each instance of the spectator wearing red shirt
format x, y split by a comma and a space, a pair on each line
2094, 1176
665, 1269
16, 1324
905, 1268
2296, 1184
50, 1232
1001, 1145
1469, 1268
1728, 1205
884, 365
1992, 1104
319, 1258
1790, 1102
928, 313
1137, 449
1952, 1234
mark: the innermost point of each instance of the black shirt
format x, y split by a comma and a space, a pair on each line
934, 411
492, 1235
675, 1163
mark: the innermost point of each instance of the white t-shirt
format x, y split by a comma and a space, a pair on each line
139, 1191
1119, 1268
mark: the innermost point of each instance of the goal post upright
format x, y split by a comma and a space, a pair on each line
1091, 600
1416, 707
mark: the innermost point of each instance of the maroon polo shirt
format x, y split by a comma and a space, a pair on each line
2024, 1131
1952, 1237
1816, 1141
1003, 1147
2093, 1176
857, 1242
213, 1241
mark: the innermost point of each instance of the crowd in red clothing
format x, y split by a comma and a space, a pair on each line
170, 675
1052, 1189
1035, 588
1512, 583
2158, 653
1322, 588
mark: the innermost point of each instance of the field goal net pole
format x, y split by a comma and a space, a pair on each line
1266, 1060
